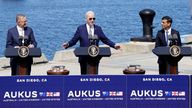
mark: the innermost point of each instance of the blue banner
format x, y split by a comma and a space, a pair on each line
96, 91
158, 91
31, 92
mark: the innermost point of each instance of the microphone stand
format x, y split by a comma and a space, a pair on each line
22, 66
92, 65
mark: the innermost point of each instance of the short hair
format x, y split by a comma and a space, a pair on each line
18, 16
89, 12
168, 18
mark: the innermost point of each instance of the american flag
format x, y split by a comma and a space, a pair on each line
119, 93
56, 94
182, 93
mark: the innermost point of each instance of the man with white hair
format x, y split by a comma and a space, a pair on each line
83, 34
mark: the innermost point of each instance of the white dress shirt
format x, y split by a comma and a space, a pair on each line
88, 29
20, 31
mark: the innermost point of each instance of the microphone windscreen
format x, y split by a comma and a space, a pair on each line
95, 37
26, 37
175, 36
21, 37
169, 37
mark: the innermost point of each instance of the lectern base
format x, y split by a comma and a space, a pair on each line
172, 68
64, 72
22, 69
92, 68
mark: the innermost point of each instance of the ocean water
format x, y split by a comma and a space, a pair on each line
55, 21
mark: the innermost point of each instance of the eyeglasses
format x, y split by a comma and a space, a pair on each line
92, 18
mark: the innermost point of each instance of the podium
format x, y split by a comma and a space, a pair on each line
171, 61
93, 62
13, 53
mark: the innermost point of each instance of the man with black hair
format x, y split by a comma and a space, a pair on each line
162, 39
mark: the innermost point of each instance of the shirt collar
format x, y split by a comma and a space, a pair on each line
19, 28
169, 30
87, 25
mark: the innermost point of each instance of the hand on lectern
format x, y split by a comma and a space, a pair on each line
16, 46
65, 45
31, 46
117, 47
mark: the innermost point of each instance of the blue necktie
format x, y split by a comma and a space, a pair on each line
166, 36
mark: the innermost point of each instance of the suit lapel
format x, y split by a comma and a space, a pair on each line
172, 31
16, 34
95, 30
163, 38
85, 27
84, 35
26, 32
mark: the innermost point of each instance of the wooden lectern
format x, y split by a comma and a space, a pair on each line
93, 63
13, 53
172, 62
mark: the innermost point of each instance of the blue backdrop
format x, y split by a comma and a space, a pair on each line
101, 91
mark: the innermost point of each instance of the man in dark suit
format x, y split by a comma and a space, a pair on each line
13, 41
82, 34
162, 39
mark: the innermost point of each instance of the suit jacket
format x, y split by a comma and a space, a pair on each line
13, 40
13, 37
81, 34
161, 41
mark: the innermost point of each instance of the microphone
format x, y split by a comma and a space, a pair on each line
26, 40
169, 37
173, 39
93, 39
175, 36
90, 37
23, 40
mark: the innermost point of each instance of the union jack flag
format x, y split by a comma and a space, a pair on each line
175, 93
112, 93
49, 94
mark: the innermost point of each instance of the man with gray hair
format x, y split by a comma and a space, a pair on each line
83, 34
13, 41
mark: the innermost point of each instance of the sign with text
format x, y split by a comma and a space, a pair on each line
31, 92
96, 91
158, 91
